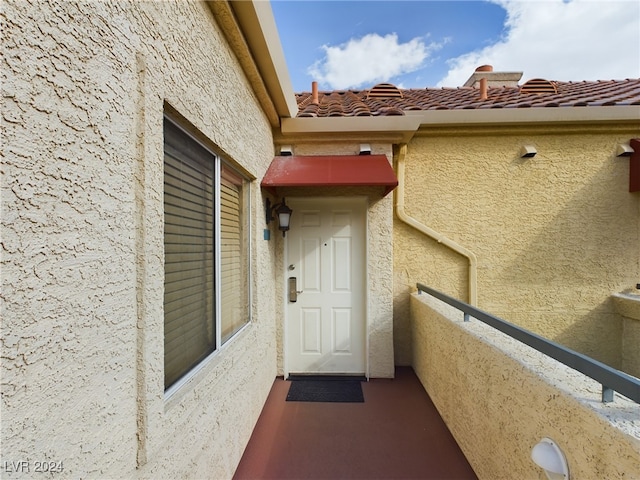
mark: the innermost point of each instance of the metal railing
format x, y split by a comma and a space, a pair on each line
610, 378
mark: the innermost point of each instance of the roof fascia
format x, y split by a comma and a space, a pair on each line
406, 126
226, 20
402, 127
544, 115
258, 25
233, 25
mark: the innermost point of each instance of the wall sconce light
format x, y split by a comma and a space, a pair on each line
528, 151
283, 212
624, 150
548, 456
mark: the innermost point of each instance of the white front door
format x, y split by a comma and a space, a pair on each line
326, 252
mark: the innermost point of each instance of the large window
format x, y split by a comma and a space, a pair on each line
206, 252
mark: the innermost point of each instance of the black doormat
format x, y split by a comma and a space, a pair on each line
325, 389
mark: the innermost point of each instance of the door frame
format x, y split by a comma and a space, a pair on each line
364, 201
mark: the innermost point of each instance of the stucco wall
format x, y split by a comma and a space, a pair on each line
85, 86
555, 235
499, 398
627, 304
379, 253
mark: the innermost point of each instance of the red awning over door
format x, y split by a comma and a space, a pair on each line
330, 170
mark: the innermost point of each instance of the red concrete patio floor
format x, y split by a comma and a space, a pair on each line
396, 433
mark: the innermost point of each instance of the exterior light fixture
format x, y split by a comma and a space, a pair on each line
624, 150
548, 456
286, 150
365, 149
528, 151
283, 212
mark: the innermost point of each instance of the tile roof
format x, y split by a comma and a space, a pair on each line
373, 102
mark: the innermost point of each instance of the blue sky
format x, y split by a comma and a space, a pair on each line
423, 43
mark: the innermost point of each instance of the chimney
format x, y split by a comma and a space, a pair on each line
494, 79
314, 93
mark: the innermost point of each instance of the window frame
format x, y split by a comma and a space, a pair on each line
228, 174
220, 162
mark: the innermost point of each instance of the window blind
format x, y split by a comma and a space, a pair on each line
189, 299
233, 275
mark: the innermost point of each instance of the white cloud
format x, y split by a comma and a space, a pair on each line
370, 59
561, 40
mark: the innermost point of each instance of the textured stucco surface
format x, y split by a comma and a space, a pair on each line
628, 306
555, 235
85, 86
499, 398
379, 255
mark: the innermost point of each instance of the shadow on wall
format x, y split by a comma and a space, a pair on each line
418, 258
582, 246
597, 333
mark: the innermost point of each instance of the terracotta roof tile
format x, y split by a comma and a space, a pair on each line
538, 94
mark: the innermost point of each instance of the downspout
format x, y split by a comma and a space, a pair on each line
473, 261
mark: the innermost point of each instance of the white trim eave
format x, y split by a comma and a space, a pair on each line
408, 124
258, 25
530, 115
405, 126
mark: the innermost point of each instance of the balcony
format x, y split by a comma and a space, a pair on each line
396, 433
477, 404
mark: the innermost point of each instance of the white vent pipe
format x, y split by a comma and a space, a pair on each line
473, 261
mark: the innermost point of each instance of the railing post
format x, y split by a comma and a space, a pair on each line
607, 394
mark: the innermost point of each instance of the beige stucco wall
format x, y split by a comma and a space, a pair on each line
627, 304
555, 235
85, 86
499, 398
379, 253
